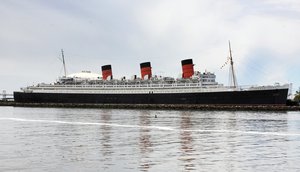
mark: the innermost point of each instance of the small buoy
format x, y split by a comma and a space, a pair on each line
155, 116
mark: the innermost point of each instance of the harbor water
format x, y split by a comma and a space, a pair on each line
73, 139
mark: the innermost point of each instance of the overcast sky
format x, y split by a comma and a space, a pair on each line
265, 38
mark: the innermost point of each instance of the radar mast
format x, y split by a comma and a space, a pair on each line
64, 64
232, 76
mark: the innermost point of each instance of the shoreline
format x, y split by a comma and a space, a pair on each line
200, 107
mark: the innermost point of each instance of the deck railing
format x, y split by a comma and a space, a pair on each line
143, 88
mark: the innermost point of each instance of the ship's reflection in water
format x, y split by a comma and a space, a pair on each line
106, 147
145, 144
134, 140
186, 140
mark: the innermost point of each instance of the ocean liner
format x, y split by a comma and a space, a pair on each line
193, 87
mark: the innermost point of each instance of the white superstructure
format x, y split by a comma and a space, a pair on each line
90, 83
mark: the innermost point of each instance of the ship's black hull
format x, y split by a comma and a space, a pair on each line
261, 97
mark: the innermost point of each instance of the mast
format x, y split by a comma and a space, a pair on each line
63, 58
231, 69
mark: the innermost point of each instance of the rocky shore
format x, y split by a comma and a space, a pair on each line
158, 106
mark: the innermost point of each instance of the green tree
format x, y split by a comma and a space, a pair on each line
297, 96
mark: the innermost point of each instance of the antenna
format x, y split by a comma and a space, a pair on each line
63, 58
231, 69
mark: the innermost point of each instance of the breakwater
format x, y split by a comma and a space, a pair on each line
158, 106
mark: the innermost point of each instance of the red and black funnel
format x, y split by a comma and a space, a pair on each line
187, 68
106, 72
146, 70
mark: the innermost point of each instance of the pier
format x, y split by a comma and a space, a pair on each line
6, 97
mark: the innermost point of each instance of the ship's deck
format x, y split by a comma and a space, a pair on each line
143, 88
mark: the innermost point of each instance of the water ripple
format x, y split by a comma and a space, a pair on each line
151, 127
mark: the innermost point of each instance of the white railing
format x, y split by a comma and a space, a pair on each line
118, 85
